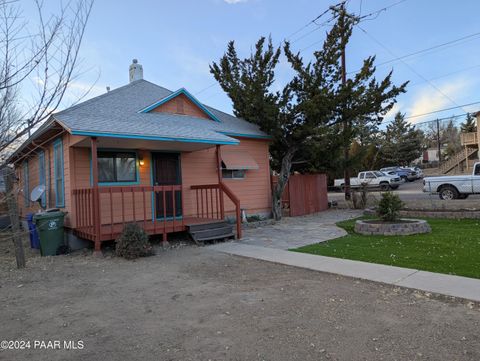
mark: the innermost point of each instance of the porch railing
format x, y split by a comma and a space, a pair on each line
102, 213
210, 203
469, 138
154, 208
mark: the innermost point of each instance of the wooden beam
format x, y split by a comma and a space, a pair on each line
95, 195
220, 181
219, 163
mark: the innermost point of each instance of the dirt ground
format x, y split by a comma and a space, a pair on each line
193, 303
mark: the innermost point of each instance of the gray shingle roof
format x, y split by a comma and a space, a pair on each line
117, 113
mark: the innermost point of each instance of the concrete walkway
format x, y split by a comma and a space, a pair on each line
268, 249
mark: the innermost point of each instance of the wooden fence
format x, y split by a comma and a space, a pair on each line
304, 194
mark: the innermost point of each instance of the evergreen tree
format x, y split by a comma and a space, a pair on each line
307, 112
450, 136
402, 143
470, 125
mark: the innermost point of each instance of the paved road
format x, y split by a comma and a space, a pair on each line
409, 191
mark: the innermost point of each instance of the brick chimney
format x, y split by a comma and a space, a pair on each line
135, 71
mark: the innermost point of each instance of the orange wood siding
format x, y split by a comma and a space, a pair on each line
196, 168
253, 191
181, 105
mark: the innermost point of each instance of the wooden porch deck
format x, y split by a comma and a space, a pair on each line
152, 227
102, 212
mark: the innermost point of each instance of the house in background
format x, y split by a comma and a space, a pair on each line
463, 161
142, 153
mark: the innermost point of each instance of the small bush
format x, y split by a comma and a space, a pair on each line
360, 197
389, 207
133, 243
254, 218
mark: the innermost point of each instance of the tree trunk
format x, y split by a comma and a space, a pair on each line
9, 177
277, 191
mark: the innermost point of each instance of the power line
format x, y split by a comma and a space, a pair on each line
307, 24
313, 21
319, 26
444, 118
441, 110
446, 75
206, 88
360, 19
421, 51
411, 68
376, 13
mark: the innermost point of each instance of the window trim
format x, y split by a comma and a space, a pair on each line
26, 184
121, 183
58, 146
42, 176
234, 170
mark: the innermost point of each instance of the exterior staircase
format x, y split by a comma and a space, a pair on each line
457, 159
209, 232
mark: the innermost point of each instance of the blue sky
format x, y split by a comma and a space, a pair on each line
176, 40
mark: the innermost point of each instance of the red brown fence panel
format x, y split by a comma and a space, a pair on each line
304, 194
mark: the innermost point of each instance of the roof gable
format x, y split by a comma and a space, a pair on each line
180, 94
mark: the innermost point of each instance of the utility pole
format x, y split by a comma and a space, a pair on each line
346, 125
342, 16
439, 148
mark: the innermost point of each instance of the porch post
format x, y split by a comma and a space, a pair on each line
219, 174
95, 195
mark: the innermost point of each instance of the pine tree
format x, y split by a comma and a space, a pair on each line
402, 143
470, 125
306, 113
450, 136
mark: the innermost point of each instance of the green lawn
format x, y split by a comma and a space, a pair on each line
453, 247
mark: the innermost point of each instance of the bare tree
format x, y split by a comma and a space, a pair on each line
38, 61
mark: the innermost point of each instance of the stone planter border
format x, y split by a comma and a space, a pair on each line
414, 226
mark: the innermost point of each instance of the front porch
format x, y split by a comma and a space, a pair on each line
164, 206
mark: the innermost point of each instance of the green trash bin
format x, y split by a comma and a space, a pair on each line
50, 231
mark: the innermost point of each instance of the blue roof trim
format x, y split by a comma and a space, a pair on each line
149, 137
256, 136
176, 94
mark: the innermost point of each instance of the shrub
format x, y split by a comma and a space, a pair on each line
360, 197
389, 207
133, 243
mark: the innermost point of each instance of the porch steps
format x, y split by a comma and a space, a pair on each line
205, 232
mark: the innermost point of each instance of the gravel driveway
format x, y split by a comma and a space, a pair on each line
194, 304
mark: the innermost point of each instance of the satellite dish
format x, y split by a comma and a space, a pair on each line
37, 193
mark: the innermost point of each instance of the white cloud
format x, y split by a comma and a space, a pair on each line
428, 99
235, 1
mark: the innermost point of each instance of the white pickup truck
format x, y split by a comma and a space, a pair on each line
454, 187
371, 179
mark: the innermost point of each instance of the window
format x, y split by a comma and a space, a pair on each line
41, 176
477, 169
58, 173
370, 175
233, 173
26, 186
116, 167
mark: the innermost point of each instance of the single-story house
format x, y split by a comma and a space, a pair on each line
142, 153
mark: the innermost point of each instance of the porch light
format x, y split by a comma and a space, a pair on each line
141, 161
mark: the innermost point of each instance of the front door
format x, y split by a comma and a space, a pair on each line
166, 171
